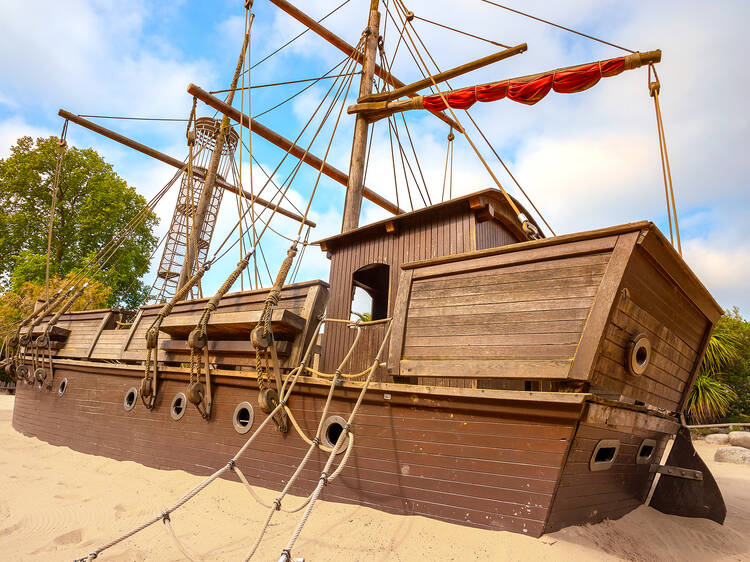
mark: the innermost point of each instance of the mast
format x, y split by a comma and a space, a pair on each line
353, 202
213, 166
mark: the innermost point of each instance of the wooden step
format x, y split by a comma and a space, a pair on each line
232, 323
56, 333
223, 347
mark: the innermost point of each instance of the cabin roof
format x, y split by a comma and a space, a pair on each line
489, 199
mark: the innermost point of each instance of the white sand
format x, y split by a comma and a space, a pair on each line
57, 504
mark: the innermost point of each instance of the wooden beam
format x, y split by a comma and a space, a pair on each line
349, 50
414, 87
176, 163
357, 162
376, 107
285, 144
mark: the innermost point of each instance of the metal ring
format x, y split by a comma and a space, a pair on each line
639, 354
331, 430
178, 406
63, 387
131, 397
243, 417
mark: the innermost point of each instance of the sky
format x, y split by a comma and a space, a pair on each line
588, 160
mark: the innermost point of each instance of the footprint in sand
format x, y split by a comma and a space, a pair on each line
71, 537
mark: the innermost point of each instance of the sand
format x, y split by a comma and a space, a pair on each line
58, 504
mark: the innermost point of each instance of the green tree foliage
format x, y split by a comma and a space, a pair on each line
722, 386
93, 204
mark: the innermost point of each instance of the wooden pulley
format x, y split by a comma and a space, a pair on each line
146, 388
25, 339
22, 372
151, 338
43, 340
10, 370
259, 339
13, 341
40, 375
197, 339
268, 399
195, 393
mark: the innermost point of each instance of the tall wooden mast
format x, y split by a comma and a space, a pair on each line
353, 202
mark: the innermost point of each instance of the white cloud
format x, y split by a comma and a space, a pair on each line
14, 128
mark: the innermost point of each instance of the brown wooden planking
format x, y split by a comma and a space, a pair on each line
426, 493
584, 496
488, 368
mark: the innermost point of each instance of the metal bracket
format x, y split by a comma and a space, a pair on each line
678, 472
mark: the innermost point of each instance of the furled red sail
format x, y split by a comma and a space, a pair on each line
530, 90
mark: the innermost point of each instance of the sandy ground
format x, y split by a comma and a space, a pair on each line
58, 504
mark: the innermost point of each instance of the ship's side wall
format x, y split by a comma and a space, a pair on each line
659, 299
464, 458
440, 235
589, 496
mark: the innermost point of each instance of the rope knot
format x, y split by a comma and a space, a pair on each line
324, 478
231, 464
316, 441
286, 554
654, 88
165, 516
277, 504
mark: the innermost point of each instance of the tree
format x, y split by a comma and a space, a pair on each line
93, 204
710, 398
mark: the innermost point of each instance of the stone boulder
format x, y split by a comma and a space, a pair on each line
736, 455
717, 439
740, 439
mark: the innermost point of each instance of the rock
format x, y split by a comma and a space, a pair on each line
740, 439
736, 455
717, 439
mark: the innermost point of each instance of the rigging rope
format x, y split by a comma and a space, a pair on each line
62, 145
654, 89
490, 41
558, 26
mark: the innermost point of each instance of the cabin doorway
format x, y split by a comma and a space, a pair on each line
370, 290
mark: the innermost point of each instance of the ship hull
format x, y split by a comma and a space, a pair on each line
502, 460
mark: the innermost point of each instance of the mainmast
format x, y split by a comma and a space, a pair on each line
353, 201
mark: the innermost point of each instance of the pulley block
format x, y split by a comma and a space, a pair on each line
259, 339
268, 399
197, 339
195, 393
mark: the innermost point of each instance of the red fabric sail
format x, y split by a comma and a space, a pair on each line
529, 91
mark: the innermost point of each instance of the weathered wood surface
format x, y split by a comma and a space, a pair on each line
484, 462
583, 496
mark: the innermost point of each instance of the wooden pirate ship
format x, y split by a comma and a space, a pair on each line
503, 379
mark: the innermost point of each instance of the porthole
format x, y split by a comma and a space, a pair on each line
332, 430
243, 417
604, 454
178, 406
646, 451
63, 387
639, 354
131, 397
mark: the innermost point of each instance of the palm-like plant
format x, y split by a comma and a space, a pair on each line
709, 398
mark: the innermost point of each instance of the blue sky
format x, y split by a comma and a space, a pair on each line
588, 160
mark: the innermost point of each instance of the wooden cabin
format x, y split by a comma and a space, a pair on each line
371, 257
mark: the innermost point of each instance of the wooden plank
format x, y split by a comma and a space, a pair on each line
103, 324
610, 232
398, 329
181, 324
234, 347
505, 368
521, 308
315, 303
508, 255
662, 253
602, 308
562, 291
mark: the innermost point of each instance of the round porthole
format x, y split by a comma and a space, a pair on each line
243, 417
63, 387
332, 430
131, 397
639, 354
178, 406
